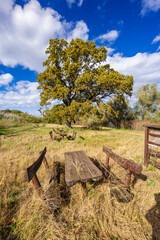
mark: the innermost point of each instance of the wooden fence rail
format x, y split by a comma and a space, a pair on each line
129, 165
152, 137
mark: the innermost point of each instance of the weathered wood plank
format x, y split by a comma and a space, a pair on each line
125, 163
73, 136
31, 170
152, 126
157, 165
92, 171
146, 146
154, 143
154, 153
129, 165
79, 167
154, 134
51, 135
71, 175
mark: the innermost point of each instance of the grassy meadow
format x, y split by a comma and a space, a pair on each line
86, 214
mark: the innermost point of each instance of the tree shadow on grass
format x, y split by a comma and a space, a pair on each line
153, 217
96, 128
64, 191
5, 131
11, 132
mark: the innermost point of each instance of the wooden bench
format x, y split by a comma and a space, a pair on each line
78, 167
61, 133
52, 195
130, 166
73, 136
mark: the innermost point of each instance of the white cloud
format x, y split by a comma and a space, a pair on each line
110, 51
25, 33
156, 39
144, 67
5, 79
121, 22
23, 94
110, 36
150, 5
70, 2
80, 31
6, 6
80, 3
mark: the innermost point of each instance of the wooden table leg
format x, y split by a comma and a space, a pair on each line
107, 161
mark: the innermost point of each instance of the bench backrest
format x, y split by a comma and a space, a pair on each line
30, 172
129, 165
123, 162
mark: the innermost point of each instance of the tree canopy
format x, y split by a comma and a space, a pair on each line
121, 110
77, 76
148, 101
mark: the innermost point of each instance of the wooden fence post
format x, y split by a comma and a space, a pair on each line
146, 153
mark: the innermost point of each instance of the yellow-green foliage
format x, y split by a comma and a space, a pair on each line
91, 213
76, 74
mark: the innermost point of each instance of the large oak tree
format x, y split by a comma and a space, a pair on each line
77, 76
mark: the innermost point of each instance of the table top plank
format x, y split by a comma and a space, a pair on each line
82, 171
71, 176
95, 173
78, 167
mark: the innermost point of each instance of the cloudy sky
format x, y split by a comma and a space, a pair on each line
130, 30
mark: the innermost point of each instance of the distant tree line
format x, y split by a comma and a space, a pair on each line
17, 116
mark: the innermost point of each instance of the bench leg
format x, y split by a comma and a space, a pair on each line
37, 185
107, 161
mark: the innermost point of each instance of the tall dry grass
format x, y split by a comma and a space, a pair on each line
86, 213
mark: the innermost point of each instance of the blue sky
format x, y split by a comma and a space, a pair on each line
129, 29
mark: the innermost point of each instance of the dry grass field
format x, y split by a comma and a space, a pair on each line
85, 214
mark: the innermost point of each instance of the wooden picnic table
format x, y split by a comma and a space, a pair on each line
78, 167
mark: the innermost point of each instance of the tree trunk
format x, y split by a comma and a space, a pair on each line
118, 124
68, 123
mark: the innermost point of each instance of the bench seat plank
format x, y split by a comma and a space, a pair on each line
78, 167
